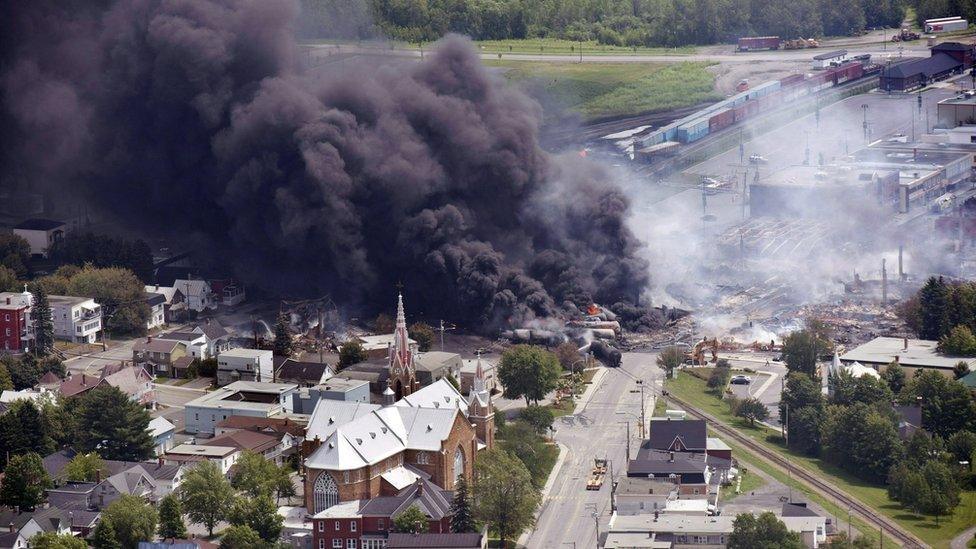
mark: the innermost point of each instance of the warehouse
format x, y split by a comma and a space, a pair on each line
918, 73
912, 354
957, 111
825, 60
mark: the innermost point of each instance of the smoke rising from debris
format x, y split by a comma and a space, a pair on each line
196, 118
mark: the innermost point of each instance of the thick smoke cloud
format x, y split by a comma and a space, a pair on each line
195, 117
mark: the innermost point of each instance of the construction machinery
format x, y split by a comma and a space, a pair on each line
905, 35
800, 43
697, 354
597, 475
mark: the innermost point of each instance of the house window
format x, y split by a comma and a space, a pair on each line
351, 543
321, 544
696, 491
321, 526
345, 477
422, 458
337, 543
458, 463
338, 525
381, 524
352, 526
6, 317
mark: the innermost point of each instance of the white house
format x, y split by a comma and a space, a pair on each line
245, 365
199, 294
41, 234
223, 456
162, 432
77, 319
157, 310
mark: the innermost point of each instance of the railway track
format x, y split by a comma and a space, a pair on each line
589, 131
884, 524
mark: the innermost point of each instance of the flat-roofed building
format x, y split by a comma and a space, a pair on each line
241, 398
245, 365
911, 354
187, 454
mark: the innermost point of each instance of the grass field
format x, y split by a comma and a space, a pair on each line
554, 46
692, 389
750, 481
603, 90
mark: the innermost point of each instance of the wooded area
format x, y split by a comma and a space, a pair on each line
612, 22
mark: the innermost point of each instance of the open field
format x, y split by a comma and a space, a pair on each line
692, 389
555, 46
603, 90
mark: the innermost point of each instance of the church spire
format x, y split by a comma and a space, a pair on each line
401, 341
479, 376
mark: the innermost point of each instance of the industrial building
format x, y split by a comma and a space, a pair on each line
912, 354
825, 60
946, 59
957, 111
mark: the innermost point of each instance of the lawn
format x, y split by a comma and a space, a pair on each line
606, 90
554, 46
692, 389
750, 481
564, 408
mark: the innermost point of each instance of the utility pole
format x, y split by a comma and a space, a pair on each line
864, 125
643, 418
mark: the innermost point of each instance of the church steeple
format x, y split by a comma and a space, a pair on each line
480, 410
402, 377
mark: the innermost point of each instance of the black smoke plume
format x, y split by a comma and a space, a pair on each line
196, 118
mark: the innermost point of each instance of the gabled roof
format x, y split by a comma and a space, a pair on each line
181, 336
440, 394
434, 360
398, 540
129, 380
159, 426
211, 328
689, 434
936, 64
432, 500
910, 414
156, 345
127, 481
952, 46
329, 414
37, 224
661, 463
168, 292
794, 510
277, 425
153, 299
302, 372
79, 383
244, 440
193, 287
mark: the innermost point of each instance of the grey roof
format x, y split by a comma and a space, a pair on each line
690, 433
48, 519
180, 336
433, 541
432, 500
212, 329
919, 353
644, 485
660, 463
38, 224
938, 63
797, 510
830, 55
305, 372
54, 463
952, 46
153, 299
911, 414
435, 360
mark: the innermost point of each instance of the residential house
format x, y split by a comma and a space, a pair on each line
165, 477
188, 454
336, 388
268, 446
687, 435
218, 338
680, 531
134, 381
290, 433
21, 527
228, 292
240, 398
199, 294
196, 343
638, 496
162, 431
160, 356
434, 365
41, 234
37, 397
245, 365
157, 310
303, 374
366, 524
16, 327
174, 306
401, 540
77, 319
171, 543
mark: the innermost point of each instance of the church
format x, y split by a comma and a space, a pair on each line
358, 451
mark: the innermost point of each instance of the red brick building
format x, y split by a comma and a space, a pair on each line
16, 329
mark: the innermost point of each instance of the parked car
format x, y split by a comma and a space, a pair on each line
741, 380
757, 159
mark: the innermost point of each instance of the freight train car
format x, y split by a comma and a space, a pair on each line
751, 43
722, 119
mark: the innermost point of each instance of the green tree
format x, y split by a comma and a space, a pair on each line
960, 370
43, 321
802, 348
133, 520
422, 334
24, 428
962, 444
120, 293
894, 376
24, 371
568, 356
206, 495
6, 383
932, 318
528, 371
522, 441
412, 520
947, 406
104, 251
260, 514
865, 389
171, 523
8, 280
752, 409
929, 489
923, 447
54, 540
842, 541
115, 425
104, 536
539, 417
804, 429
84, 467
283, 338
383, 324
53, 364
762, 532
669, 359
719, 379
239, 537
257, 476
801, 391
960, 341
861, 440
462, 518
505, 498
14, 253
24, 482
350, 353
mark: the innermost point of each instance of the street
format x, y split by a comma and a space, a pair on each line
566, 515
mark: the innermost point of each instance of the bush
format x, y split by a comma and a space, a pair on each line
539, 417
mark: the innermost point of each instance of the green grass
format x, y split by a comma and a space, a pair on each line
750, 481
564, 408
604, 90
660, 406
693, 390
555, 46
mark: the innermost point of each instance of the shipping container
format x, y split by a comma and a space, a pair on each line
693, 131
951, 25
722, 119
759, 43
654, 152
791, 81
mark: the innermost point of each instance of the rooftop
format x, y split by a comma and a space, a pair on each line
377, 342
830, 55
38, 224
687, 434
928, 66
244, 440
341, 384
200, 450
241, 352
912, 353
67, 299
253, 395
433, 541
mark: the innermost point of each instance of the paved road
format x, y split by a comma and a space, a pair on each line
597, 431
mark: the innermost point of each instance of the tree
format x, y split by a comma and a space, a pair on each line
120, 293
282, 339
947, 406
257, 476
24, 482
206, 495
842, 541
505, 498
133, 520
24, 428
352, 352
8, 280
669, 359
752, 409
114, 425
412, 521
568, 356
14, 253
960, 370
260, 514
929, 489
6, 383
923, 447
171, 523
928, 312
104, 536
462, 520
383, 324
422, 334
84, 467
801, 391
960, 341
24, 371
104, 251
528, 371
54, 540
860, 439
43, 322
718, 379
803, 430
53, 364
802, 348
239, 537
539, 417
866, 389
962, 444
522, 441
765, 532
894, 376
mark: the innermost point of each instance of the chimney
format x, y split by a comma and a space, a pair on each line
671, 458
420, 488
901, 271
905, 348
83, 378
98, 476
